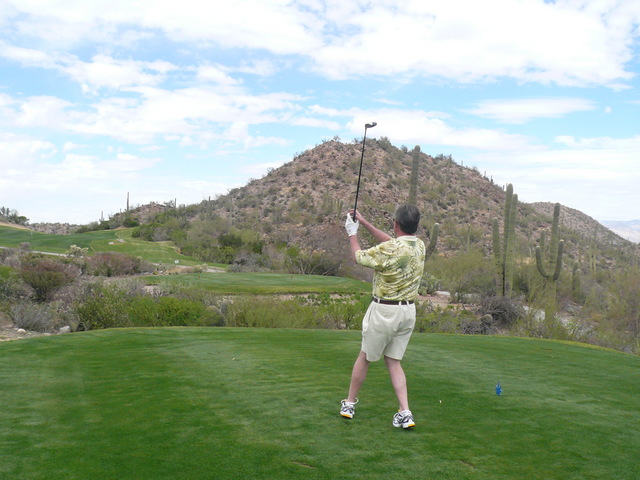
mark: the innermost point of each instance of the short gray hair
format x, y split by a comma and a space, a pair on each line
408, 217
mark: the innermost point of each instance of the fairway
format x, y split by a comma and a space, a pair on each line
214, 403
119, 240
264, 283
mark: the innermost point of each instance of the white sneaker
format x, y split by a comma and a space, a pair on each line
403, 419
348, 409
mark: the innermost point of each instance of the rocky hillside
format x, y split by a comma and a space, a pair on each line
304, 201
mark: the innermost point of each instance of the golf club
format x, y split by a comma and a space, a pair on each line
368, 125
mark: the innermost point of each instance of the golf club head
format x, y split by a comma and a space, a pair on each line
370, 125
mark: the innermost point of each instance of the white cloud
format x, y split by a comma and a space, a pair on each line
20, 151
422, 127
597, 176
214, 74
263, 68
126, 162
258, 170
102, 71
105, 71
525, 109
473, 41
202, 114
69, 146
565, 42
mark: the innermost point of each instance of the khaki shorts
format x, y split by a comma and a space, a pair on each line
386, 330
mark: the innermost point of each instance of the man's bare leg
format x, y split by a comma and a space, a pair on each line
358, 374
399, 381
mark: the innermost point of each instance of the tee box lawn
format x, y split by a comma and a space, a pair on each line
225, 403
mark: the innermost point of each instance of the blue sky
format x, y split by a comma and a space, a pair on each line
187, 100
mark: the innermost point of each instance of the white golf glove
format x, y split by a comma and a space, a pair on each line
351, 226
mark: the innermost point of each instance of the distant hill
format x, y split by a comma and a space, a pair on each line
629, 230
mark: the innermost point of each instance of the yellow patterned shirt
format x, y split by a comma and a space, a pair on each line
398, 266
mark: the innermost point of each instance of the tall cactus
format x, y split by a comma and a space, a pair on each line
576, 283
429, 284
413, 198
553, 268
504, 247
433, 240
413, 184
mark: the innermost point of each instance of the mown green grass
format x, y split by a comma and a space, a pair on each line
13, 237
264, 283
263, 404
100, 241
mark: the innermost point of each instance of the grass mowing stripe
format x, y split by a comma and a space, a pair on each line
263, 283
187, 403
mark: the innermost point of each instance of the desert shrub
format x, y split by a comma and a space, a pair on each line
114, 306
310, 262
467, 272
504, 311
478, 325
432, 319
46, 276
111, 264
35, 317
429, 284
202, 295
11, 286
102, 308
249, 262
342, 312
170, 312
314, 311
265, 311
6, 253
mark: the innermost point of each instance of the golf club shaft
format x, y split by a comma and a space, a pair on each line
364, 139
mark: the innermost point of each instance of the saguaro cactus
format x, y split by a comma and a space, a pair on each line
504, 247
429, 283
576, 283
433, 240
551, 272
413, 184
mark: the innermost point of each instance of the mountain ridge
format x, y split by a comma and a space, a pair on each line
308, 197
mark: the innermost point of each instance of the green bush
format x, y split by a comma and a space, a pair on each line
102, 308
170, 312
115, 307
11, 285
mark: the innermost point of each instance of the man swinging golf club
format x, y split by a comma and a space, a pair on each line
398, 264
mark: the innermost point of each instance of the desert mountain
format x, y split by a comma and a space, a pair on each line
305, 200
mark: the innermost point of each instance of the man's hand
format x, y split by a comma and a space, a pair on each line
350, 226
